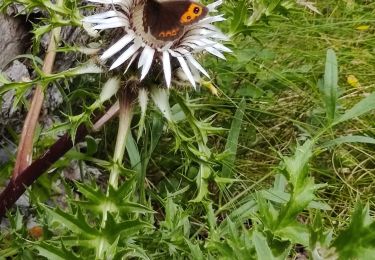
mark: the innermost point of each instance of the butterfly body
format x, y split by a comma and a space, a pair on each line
167, 20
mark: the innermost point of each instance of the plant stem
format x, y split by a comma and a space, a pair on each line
17, 186
112, 111
25, 147
125, 117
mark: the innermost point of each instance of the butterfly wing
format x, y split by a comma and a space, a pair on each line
166, 20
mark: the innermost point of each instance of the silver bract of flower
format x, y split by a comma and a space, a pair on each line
198, 37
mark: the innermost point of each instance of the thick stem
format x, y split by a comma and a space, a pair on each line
25, 147
125, 117
17, 186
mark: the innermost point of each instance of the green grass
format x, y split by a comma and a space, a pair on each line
287, 63
289, 188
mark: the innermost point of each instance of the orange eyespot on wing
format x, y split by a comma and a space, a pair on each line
194, 12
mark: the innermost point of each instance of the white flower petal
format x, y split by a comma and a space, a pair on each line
221, 47
144, 54
211, 19
126, 55
212, 7
167, 68
215, 52
116, 23
118, 46
90, 30
148, 54
108, 2
96, 18
112, 20
186, 70
199, 37
131, 61
196, 64
182, 51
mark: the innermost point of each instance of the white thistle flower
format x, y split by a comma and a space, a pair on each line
137, 43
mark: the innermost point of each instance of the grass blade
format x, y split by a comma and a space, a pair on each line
349, 139
232, 142
330, 85
365, 105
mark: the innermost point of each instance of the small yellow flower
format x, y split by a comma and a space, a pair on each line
363, 27
353, 81
210, 87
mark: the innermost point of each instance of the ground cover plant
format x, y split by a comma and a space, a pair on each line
271, 157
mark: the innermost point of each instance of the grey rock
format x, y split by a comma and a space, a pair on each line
13, 37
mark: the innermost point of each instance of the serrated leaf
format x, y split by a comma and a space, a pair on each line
52, 252
131, 207
359, 238
261, 246
294, 232
126, 228
283, 197
296, 165
93, 194
75, 223
195, 251
202, 182
301, 197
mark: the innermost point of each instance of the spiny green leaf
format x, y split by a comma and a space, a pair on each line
202, 182
196, 252
267, 212
75, 223
125, 228
301, 197
52, 252
261, 246
92, 192
296, 166
359, 238
295, 233
131, 207
283, 197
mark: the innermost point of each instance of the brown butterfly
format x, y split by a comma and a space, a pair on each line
167, 20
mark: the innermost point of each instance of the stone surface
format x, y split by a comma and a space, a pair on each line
14, 35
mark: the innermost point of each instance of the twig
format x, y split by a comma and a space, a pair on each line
25, 147
112, 111
17, 186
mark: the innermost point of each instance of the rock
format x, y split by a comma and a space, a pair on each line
16, 72
14, 34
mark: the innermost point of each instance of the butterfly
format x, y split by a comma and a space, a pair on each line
167, 20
